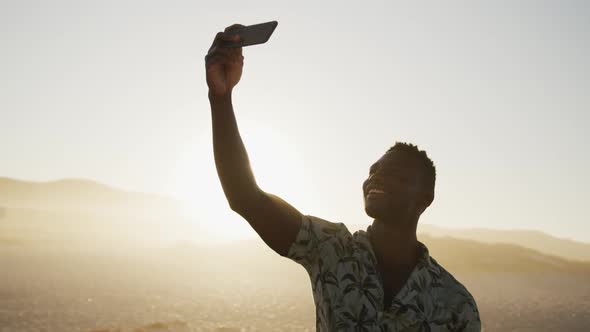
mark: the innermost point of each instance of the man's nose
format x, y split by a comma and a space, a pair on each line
375, 177
372, 178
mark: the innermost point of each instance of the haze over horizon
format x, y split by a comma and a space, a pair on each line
496, 93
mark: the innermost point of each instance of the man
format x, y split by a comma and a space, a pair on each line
381, 279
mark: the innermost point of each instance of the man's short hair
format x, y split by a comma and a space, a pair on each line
428, 169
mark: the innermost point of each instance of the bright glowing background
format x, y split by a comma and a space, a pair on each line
275, 158
495, 92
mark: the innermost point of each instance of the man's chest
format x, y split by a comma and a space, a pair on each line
393, 281
354, 280
351, 295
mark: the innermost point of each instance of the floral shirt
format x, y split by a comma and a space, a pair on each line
348, 291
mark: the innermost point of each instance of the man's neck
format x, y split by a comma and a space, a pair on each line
395, 245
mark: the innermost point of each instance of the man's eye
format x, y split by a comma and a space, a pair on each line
398, 177
404, 179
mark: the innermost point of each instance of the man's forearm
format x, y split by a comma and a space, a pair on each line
231, 158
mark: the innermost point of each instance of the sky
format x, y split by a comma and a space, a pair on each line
496, 92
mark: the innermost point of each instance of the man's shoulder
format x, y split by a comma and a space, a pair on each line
317, 233
447, 290
325, 229
453, 304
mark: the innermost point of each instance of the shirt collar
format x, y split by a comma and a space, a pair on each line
420, 278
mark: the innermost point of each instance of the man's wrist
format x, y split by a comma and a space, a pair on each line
216, 99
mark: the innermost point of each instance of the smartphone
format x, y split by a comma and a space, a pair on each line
252, 34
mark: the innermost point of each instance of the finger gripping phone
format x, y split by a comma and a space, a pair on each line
253, 34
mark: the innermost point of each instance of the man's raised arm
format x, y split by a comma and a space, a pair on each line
276, 221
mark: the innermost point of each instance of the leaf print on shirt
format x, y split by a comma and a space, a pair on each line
361, 322
347, 291
364, 285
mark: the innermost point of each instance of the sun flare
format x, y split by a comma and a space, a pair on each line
277, 167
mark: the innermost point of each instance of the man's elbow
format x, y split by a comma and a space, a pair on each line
243, 203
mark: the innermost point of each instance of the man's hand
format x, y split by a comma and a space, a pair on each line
223, 64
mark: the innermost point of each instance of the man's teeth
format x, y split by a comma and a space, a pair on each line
377, 191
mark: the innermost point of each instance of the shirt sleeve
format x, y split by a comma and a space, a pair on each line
472, 320
316, 242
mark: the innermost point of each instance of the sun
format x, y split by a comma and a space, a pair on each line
277, 166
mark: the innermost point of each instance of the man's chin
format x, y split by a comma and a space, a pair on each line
381, 212
374, 212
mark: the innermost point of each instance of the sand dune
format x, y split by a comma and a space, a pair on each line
78, 205
80, 195
75, 270
527, 238
246, 287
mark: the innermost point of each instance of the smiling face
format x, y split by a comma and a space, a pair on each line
394, 189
